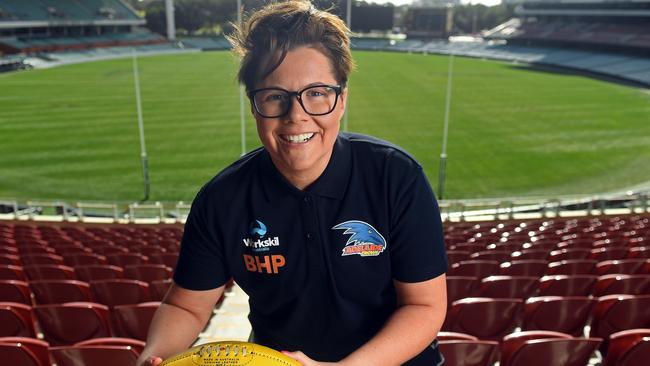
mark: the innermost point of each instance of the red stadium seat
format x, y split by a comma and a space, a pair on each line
120, 292
454, 256
469, 352
525, 254
60, 291
556, 352
98, 355
614, 313
147, 272
50, 272
628, 348
622, 284
96, 272
11, 259
474, 268
623, 266
11, 272
169, 259
30, 249
491, 255
509, 246
137, 345
24, 351
70, 323
84, 259
541, 245
523, 267
46, 258
159, 289
455, 336
556, 313
485, 318
126, 259
514, 341
72, 249
15, 291
148, 250
568, 253
639, 252
132, 321
459, 287
572, 267
7, 249
604, 253
565, 285
16, 320
508, 286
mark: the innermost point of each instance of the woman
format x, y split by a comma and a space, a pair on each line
336, 238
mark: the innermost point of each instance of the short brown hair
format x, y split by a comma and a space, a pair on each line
264, 39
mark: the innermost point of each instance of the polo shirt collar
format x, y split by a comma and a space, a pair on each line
332, 183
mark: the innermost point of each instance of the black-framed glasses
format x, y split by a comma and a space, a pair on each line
315, 100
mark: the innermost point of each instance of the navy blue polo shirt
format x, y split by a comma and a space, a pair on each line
318, 264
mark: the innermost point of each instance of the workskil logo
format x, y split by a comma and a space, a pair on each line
365, 240
258, 228
257, 242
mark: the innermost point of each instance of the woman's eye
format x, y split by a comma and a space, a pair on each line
316, 93
274, 97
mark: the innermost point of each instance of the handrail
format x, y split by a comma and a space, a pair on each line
507, 208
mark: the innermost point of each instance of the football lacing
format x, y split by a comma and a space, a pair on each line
227, 350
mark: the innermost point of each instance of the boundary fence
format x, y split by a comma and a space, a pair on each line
494, 209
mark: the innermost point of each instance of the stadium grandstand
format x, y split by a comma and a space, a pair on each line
553, 280
46, 27
605, 25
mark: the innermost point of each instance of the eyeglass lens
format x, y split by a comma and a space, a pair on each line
316, 100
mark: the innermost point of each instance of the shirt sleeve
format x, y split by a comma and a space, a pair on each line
416, 242
201, 262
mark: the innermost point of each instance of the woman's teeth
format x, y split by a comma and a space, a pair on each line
297, 139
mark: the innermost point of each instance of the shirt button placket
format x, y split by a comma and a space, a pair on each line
308, 216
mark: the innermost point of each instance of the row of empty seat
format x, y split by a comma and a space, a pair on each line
532, 348
630, 35
488, 306
73, 322
543, 348
493, 318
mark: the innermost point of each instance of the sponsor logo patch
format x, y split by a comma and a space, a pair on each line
259, 244
364, 239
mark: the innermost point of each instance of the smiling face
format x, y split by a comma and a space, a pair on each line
301, 145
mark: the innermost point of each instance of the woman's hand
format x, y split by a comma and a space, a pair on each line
306, 361
150, 361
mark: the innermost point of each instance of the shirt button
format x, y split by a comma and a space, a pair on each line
309, 236
307, 199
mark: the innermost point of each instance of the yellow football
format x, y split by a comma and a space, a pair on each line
230, 353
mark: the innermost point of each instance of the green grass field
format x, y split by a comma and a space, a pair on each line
70, 133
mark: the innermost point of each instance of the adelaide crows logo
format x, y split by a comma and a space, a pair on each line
365, 240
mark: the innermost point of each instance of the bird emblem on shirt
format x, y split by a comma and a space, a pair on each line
364, 239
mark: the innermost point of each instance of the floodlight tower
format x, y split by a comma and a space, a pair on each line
171, 23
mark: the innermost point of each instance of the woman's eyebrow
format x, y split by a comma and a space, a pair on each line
301, 88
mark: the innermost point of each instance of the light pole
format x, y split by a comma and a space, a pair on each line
445, 133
